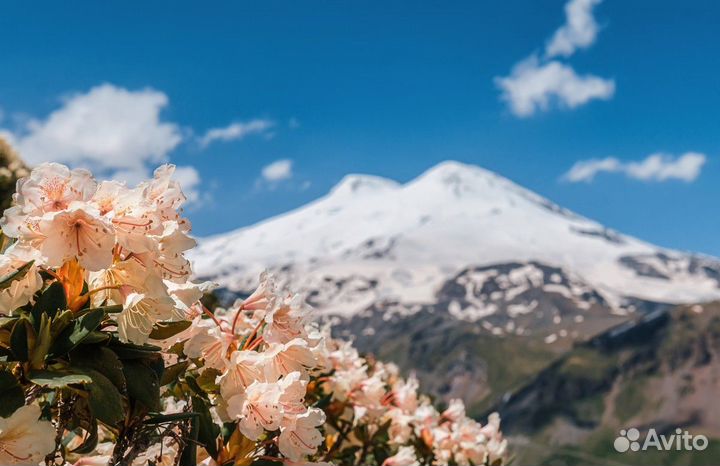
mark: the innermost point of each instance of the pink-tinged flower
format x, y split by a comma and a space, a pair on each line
455, 411
243, 369
117, 282
299, 435
286, 320
23, 438
264, 297
139, 315
292, 400
210, 342
367, 398
132, 216
20, 292
169, 260
78, 232
52, 187
257, 409
186, 296
404, 394
401, 428
282, 359
166, 195
404, 457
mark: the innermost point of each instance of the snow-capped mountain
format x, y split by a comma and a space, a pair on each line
374, 240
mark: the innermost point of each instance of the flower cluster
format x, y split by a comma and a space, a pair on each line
109, 356
372, 394
129, 241
262, 354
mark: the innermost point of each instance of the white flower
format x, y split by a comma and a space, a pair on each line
52, 187
292, 399
299, 435
78, 232
139, 315
21, 291
404, 457
186, 295
23, 438
455, 411
405, 394
282, 359
132, 216
243, 369
257, 409
263, 298
210, 342
286, 320
123, 278
166, 195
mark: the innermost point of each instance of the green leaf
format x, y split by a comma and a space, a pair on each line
19, 274
42, 343
11, 394
50, 302
96, 336
105, 400
103, 360
131, 351
207, 380
172, 373
188, 457
58, 379
75, 334
7, 321
156, 418
142, 384
164, 330
90, 442
113, 309
19, 342
60, 322
208, 431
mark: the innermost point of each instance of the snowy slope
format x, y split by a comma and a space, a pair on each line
373, 239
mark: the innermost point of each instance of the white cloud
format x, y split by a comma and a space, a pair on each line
655, 167
236, 131
113, 131
278, 170
579, 30
533, 86
534, 83
107, 129
585, 170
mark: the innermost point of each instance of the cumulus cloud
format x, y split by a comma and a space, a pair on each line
579, 30
655, 167
106, 129
278, 170
116, 132
533, 86
236, 131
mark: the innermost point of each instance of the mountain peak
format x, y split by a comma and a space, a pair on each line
354, 184
454, 168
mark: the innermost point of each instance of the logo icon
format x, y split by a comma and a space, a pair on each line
629, 439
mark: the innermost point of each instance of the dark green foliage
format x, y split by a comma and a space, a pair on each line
11, 394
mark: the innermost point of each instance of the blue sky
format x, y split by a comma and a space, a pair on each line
387, 88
